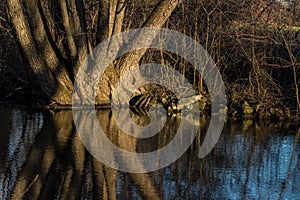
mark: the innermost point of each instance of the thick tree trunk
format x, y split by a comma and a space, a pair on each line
47, 70
46, 62
156, 19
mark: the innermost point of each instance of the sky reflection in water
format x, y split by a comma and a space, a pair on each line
257, 161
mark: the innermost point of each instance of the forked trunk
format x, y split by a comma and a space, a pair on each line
47, 60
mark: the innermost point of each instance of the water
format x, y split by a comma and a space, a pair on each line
42, 157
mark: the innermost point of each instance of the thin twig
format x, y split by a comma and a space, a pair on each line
29, 186
15, 90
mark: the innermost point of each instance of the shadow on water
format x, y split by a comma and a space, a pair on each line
42, 157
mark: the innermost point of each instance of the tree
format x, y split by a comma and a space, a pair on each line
54, 40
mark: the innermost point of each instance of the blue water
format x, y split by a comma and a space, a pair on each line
42, 157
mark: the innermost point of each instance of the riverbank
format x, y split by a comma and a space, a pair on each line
241, 108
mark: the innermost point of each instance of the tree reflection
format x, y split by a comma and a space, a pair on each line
46, 159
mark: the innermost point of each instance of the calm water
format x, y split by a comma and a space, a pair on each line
42, 157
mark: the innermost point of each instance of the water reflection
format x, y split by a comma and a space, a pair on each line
23, 130
259, 163
42, 157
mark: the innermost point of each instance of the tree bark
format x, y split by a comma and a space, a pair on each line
46, 61
67, 26
49, 75
103, 30
156, 19
77, 16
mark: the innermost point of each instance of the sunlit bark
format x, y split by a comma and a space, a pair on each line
57, 88
45, 61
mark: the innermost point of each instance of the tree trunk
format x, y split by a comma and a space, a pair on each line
45, 58
156, 19
67, 26
48, 72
